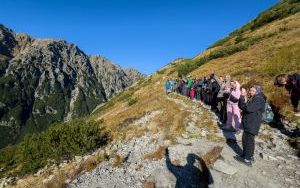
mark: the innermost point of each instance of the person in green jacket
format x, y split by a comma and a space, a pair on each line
189, 85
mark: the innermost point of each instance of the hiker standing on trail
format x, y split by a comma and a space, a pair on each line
180, 85
189, 85
204, 90
199, 84
223, 96
233, 111
214, 90
184, 90
292, 84
174, 88
192, 93
220, 99
252, 109
168, 86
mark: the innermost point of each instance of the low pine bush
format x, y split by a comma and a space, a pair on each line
186, 66
59, 142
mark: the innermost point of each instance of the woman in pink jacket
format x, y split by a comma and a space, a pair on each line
233, 111
192, 93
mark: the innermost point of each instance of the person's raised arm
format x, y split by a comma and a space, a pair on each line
253, 106
172, 168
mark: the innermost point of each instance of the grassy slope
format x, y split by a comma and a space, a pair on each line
278, 53
258, 63
262, 61
149, 97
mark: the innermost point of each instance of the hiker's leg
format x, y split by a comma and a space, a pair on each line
252, 144
206, 98
244, 139
249, 145
224, 110
236, 116
214, 102
229, 115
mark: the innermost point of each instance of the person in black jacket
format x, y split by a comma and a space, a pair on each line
214, 89
252, 110
292, 84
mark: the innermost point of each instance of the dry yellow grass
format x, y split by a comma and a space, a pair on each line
62, 174
265, 136
260, 63
148, 184
119, 118
157, 155
246, 66
118, 160
210, 157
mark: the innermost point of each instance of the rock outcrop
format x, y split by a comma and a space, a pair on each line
133, 75
113, 78
45, 80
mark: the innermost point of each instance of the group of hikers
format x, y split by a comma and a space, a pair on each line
239, 107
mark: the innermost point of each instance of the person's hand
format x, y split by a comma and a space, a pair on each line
243, 92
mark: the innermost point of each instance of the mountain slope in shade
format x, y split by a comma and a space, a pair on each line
45, 80
113, 77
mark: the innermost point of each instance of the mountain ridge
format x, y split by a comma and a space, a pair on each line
143, 122
49, 80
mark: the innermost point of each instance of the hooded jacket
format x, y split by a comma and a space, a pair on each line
252, 113
235, 94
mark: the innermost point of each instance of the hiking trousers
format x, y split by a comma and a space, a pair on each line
214, 101
223, 104
233, 113
248, 141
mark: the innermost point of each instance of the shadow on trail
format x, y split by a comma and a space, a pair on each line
189, 176
231, 141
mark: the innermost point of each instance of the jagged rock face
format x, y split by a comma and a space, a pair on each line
44, 81
112, 77
134, 75
7, 41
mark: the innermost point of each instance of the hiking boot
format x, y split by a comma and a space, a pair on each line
243, 156
242, 160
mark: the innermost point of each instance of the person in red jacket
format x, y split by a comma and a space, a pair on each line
192, 93
292, 84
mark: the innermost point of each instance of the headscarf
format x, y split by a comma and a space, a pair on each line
258, 89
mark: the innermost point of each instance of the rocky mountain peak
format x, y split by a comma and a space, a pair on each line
7, 41
134, 74
50, 80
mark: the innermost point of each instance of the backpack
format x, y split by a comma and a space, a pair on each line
267, 115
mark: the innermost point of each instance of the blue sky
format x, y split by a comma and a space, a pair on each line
144, 34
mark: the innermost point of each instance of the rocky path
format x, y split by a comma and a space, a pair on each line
144, 162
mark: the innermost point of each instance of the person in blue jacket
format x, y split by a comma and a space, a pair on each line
168, 86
